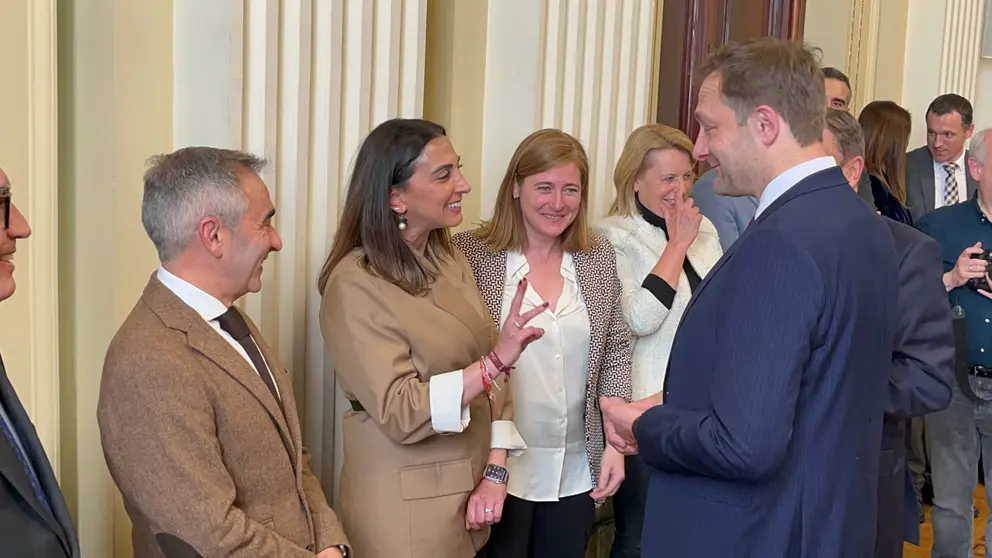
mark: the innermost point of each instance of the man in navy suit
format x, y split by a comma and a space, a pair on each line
34, 520
766, 443
922, 370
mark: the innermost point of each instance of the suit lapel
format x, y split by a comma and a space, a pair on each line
285, 385
203, 339
206, 341
925, 181
10, 466
447, 297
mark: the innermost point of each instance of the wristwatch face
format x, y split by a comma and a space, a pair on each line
496, 473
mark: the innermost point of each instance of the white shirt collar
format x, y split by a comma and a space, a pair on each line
961, 162
517, 266
208, 307
783, 182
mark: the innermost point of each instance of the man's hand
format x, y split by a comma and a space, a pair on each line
611, 474
330, 552
618, 421
485, 505
965, 268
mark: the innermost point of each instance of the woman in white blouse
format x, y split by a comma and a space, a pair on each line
538, 240
664, 248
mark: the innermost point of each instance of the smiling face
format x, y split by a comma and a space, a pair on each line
550, 201
432, 198
722, 142
15, 228
665, 179
253, 239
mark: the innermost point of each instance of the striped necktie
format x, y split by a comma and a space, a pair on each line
951, 184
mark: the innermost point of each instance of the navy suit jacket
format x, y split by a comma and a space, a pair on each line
28, 530
920, 378
767, 443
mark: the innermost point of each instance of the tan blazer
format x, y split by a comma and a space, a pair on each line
204, 457
403, 486
610, 338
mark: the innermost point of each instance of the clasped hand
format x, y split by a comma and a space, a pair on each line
619, 417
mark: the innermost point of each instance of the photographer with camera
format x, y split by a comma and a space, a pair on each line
956, 435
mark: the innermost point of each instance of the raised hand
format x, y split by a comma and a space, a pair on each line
516, 335
683, 221
967, 267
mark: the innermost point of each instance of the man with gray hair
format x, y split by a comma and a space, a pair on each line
197, 417
922, 368
957, 435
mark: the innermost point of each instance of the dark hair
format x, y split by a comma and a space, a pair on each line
950, 102
886, 127
833, 73
784, 75
385, 162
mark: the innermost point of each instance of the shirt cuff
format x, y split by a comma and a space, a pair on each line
447, 413
505, 436
660, 289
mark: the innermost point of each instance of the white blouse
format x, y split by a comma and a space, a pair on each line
549, 391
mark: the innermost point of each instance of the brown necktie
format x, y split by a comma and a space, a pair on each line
234, 323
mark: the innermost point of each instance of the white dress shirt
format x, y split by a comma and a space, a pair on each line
783, 182
940, 180
209, 308
549, 391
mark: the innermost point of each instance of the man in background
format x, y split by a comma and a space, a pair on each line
730, 215
34, 519
922, 370
768, 444
958, 435
937, 173
197, 416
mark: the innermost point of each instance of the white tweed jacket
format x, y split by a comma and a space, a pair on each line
638, 245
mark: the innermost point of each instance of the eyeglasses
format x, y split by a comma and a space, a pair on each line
5, 206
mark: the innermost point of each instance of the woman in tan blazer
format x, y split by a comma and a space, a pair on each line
425, 444
538, 233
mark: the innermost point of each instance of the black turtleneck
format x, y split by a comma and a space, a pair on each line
660, 288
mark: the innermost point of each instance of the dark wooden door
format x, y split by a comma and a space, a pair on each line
691, 29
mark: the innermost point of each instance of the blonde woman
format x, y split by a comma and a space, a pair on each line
538, 243
664, 248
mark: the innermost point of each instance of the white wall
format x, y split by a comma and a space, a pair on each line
301, 83
983, 95
943, 39
828, 26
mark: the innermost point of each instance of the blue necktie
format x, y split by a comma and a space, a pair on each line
24, 463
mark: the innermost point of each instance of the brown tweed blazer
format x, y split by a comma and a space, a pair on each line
206, 461
610, 338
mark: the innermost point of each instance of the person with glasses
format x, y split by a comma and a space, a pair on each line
34, 519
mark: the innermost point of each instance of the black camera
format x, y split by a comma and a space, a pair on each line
977, 283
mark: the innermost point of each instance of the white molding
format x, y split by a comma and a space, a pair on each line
43, 215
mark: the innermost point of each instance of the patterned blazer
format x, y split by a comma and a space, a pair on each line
609, 336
